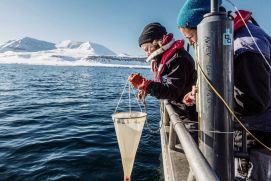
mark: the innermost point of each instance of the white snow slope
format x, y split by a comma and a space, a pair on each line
26, 44
68, 53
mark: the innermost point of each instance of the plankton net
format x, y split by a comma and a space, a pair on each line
128, 127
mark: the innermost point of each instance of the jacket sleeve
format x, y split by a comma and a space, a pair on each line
174, 88
252, 91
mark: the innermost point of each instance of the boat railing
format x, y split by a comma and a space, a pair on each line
175, 133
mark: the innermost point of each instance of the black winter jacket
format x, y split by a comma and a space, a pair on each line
252, 78
179, 74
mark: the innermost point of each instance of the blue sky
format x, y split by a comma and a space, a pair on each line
115, 24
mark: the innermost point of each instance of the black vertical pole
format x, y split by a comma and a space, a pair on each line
215, 52
187, 47
214, 6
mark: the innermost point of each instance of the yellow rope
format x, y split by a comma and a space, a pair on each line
225, 103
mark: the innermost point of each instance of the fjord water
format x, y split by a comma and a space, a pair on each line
55, 124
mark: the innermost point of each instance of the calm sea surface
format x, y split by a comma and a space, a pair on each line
55, 124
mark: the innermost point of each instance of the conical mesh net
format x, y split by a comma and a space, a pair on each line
128, 127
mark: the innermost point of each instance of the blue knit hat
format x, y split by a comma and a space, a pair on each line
191, 14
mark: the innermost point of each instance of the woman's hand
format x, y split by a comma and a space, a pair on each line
190, 98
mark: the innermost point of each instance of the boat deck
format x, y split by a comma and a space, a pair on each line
175, 164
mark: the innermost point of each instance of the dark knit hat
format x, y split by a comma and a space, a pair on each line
192, 12
152, 31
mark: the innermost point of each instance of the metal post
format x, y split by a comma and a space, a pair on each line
244, 141
187, 47
214, 6
172, 137
199, 165
165, 113
191, 176
215, 40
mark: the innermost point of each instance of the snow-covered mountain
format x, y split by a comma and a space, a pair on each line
32, 51
68, 44
26, 44
92, 48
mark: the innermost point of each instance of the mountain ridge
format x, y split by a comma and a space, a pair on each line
28, 44
32, 51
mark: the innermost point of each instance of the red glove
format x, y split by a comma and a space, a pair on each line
138, 82
190, 98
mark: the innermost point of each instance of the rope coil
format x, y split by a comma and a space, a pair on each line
147, 122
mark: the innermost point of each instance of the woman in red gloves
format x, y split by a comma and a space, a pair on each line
169, 60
